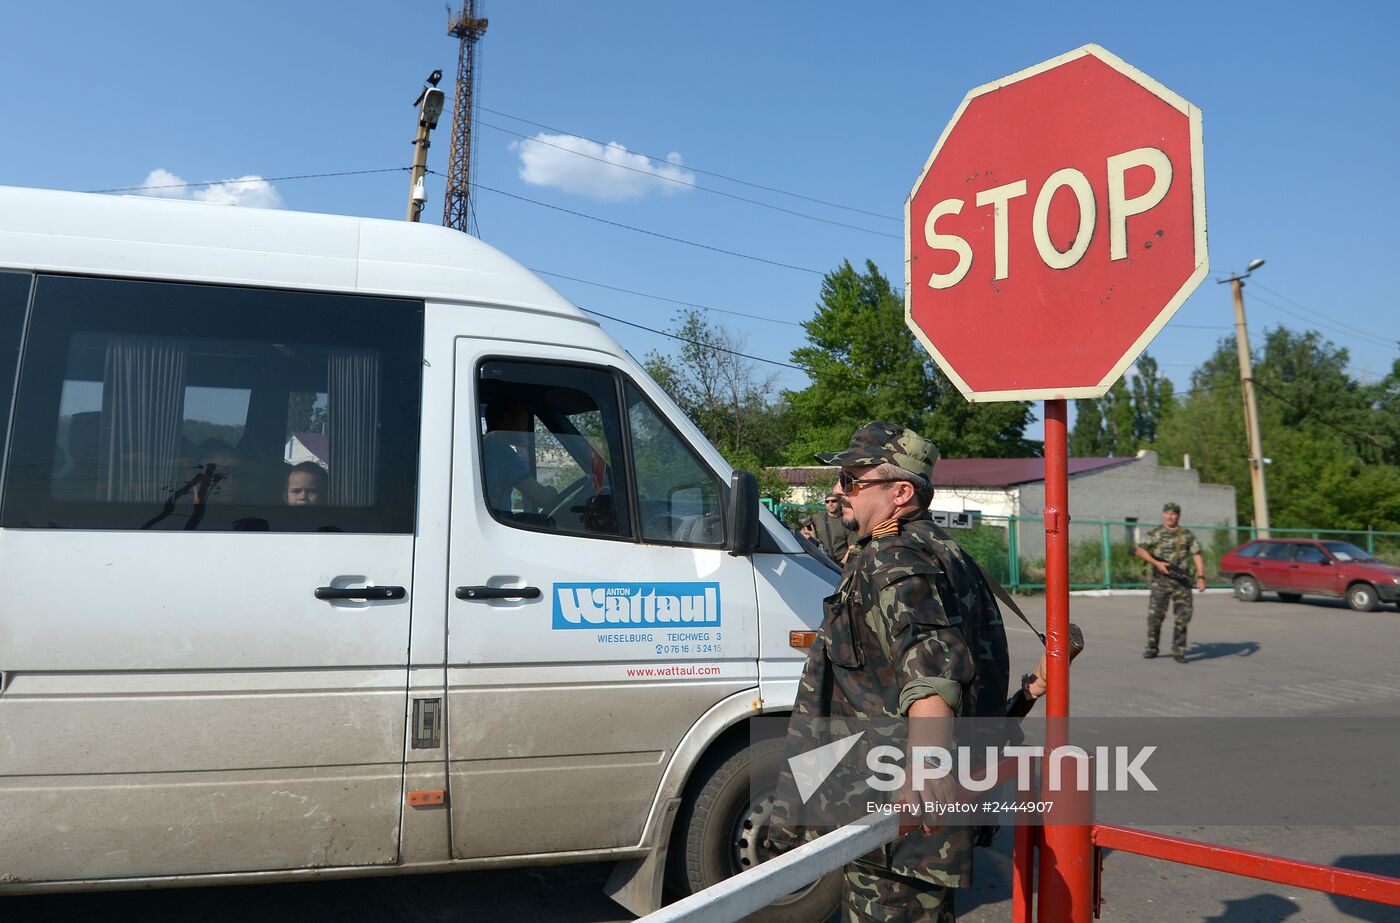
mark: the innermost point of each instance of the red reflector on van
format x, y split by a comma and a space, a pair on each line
801, 638
426, 797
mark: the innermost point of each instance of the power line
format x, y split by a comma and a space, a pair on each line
795, 195
786, 365
689, 185
676, 301
1278, 294
701, 343
256, 179
1309, 414
813, 373
1229, 383
845, 374
1336, 331
618, 224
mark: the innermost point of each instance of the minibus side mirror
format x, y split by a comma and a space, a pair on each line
743, 513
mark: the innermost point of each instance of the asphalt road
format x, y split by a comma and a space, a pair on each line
1313, 658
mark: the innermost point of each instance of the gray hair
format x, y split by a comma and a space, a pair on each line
923, 490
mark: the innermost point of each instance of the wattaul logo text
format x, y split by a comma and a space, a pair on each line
626, 605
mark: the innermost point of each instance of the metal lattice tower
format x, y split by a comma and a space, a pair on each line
467, 27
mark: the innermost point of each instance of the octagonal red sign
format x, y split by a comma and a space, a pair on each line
1057, 226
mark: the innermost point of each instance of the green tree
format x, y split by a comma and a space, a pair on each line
1125, 419
304, 414
865, 365
1324, 433
1087, 439
724, 395
1119, 417
1207, 423
1385, 401
1152, 400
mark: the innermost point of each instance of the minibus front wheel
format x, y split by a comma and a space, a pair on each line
723, 824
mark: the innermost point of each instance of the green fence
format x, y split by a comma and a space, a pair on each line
1101, 556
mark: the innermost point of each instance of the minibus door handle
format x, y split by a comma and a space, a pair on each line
360, 592
498, 592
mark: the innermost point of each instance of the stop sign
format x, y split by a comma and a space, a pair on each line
1057, 226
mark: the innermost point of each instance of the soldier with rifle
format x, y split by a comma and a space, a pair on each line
1166, 548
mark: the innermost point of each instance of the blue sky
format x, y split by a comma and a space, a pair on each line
836, 102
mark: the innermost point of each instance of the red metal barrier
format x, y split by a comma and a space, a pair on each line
1362, 885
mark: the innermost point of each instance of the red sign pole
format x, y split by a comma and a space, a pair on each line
1002, 270
1066, 863
1056, 559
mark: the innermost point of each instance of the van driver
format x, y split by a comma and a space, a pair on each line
505, 448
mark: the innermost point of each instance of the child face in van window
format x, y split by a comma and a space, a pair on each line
304, 488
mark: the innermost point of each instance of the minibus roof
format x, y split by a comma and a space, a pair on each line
153, 238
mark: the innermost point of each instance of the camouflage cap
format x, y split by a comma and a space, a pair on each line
1170, 507
877, 443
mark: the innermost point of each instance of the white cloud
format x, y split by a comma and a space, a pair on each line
252, 191
606, 171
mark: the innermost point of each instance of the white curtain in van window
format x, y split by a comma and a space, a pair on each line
352, 425
143, 406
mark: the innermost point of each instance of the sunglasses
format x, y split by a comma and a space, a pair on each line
852, 485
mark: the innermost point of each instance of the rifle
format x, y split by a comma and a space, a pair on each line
1178, 574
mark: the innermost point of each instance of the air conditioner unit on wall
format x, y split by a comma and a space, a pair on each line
963, 519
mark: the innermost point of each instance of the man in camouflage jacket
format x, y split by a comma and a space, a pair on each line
1166, 547
912, 631
832, 532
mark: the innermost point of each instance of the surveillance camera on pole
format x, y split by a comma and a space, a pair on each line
430, 103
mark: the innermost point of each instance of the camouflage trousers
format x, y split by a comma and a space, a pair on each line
1166, 592
878, 895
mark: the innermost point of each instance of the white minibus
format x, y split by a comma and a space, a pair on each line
333, 546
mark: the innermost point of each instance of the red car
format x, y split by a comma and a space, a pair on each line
1295, 567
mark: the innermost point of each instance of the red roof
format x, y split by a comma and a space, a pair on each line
1007, 472
971, 472
315, 443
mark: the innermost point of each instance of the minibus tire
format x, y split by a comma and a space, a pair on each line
708, 823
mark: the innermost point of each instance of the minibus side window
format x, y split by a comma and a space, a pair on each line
14, 299
678, 497
551, 445
170, 406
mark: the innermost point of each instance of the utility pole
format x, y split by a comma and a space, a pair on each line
1251, 405
429, 103
467, 27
